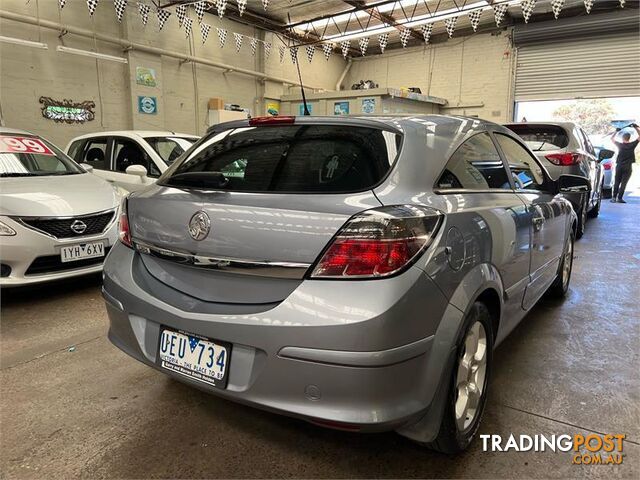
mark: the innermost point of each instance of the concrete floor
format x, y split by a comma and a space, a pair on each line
91, 411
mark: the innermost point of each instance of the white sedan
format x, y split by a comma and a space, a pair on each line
56, 220
131, 159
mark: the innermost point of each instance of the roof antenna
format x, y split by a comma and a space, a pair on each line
304, 97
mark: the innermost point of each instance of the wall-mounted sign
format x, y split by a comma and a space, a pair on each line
146, 76
341, 108
301, 109
368, 105
67, 111
272, 107
147, 105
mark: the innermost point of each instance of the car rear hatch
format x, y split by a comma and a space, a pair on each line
262, 201
545, 141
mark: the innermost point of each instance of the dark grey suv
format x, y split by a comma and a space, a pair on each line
353, 272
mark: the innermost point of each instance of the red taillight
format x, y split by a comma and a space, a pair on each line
123, 225
564, 159
379, 242
264, 121
606, 166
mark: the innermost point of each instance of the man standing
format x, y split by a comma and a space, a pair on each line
626, 158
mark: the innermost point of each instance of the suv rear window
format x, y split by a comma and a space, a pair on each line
540, 138
291, 158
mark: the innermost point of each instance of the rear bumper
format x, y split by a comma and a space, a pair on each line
312, 356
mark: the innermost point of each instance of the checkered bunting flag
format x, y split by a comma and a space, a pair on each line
265, 3
222, 36
450, 25
474, 18
556, 7
120, 6
254, 45
144, 12
163, 15
363, 43
200, 7
294, 54
61, 3
404, 36
267, 49
383, 40
426, 31
500, 10
311, 49
91, 5
188, 25
344, 46
242, 6
205, 28
327, 49
588, 5
221, 6
527, 9
181, 13
238, 38
281, 50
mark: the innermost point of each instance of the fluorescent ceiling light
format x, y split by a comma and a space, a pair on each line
88, 53
21, 41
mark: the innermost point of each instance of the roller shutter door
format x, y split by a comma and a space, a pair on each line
600, 64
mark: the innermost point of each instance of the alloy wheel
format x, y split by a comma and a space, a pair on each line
566, 265
470, 379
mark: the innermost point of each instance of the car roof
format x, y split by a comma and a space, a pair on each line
135, 133
4, 130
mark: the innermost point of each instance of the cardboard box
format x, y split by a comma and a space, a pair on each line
216, 103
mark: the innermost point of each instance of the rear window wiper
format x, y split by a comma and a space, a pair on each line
197, 180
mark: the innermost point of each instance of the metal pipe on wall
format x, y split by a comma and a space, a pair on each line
17, 17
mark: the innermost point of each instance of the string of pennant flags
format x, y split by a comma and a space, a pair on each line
181, 12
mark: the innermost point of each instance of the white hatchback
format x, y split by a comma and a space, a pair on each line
130, 159
56, 220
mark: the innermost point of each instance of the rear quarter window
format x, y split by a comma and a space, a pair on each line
294, 158
540, 138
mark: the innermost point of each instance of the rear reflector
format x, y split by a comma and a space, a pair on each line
564, 159
379, 243
349, 427
266, 121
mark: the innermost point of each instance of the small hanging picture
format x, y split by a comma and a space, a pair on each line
67, 111
341, 108
301, 109
147, 105
368, 105
146, 77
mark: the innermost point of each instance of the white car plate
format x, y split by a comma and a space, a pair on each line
194, 356
72, 253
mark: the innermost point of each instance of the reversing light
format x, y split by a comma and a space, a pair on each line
379, 243
124, 233
266, 121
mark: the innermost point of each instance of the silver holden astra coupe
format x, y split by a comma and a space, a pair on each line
353, 272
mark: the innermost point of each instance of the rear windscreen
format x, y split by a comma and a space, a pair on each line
291, 158
541, 137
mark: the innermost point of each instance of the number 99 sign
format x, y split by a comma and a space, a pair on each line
23, 145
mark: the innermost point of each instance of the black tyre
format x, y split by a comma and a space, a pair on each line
595, 211
560, 286
469, 383
582, 218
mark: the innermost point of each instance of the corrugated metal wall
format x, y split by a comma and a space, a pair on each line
590, 62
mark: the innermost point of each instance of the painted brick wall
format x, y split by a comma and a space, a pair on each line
466, 71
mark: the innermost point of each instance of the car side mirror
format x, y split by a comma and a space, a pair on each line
605, 154
86, 167
137, 170
573, 184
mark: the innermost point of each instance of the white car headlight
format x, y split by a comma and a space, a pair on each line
6, 230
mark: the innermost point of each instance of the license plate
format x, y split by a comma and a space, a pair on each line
72, 253
194, 356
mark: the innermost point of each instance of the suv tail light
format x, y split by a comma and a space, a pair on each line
379, 243
606, 165
564, 159
123, 225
